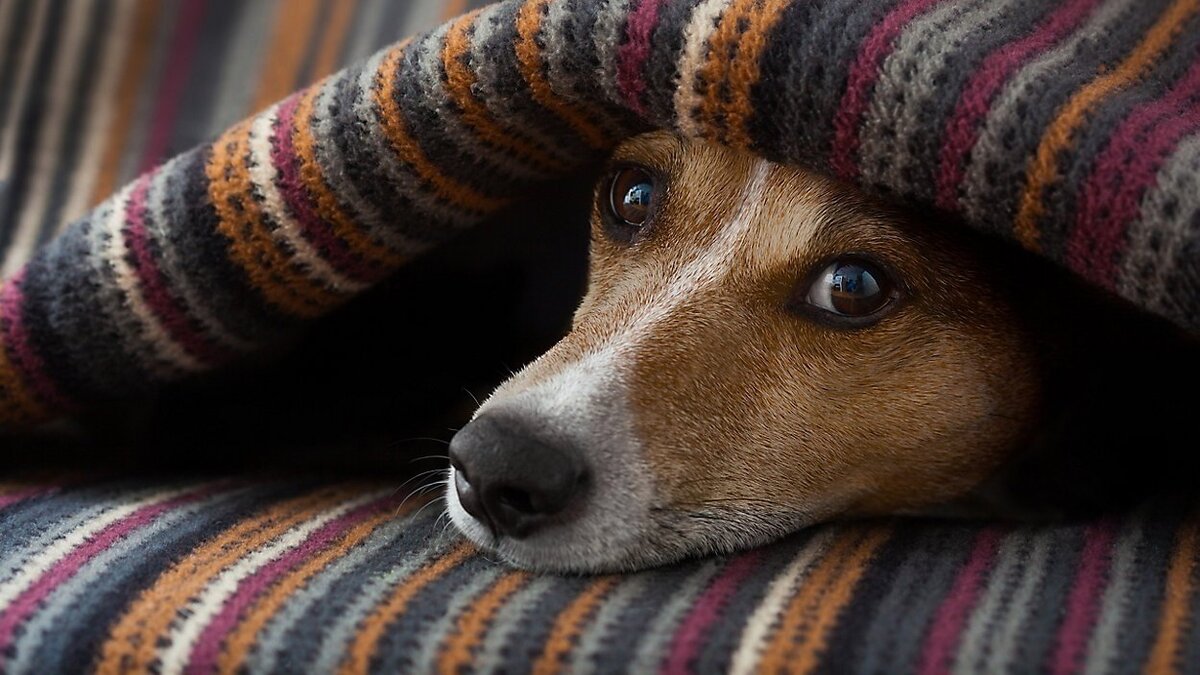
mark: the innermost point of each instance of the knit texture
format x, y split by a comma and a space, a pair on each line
1072, 127
293, 576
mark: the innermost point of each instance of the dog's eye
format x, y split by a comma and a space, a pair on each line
630, 196
850, 287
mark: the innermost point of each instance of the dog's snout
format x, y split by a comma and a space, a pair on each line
513, 481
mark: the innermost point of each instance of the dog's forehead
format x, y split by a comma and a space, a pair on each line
756, 211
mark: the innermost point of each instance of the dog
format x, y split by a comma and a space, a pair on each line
761, 349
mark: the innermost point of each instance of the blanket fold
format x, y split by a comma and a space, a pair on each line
1071, 127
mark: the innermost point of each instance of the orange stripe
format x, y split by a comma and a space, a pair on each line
529, 23
242, 639
358, 660
402, 142
1164, 656
807, 599
459, 81
745, 71
333, 36
806, 653
133, 642
1059, 136
326, 202
294, 23
133, 77
452, 8
715, 72
17, 403
458, 652
570, 622
241, 221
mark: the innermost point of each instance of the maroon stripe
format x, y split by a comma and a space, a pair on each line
166, 109
861, 80
962, 130
693, 632
951, 618
1111, 199
24, 358
632, 55
296, 197
169, 311
1083, 603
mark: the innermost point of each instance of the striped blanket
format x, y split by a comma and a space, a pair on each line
295, 576
1072, 127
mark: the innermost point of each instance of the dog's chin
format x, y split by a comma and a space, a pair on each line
647, 540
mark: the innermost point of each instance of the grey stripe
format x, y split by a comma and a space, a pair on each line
502, 88
913, 75
389, 166
606, 37
147, 94
336, 638
329, 156
432, 641
363, 38
981, 625
509, 621
1103, 648
36, 644
272, 641
1159, 238
241, 65
1004, 641
1061, 197
593, 640
893, 639
204, 85
571, 61
653, 646
995, 169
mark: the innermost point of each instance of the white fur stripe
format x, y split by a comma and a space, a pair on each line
700, 27
783, 587
202, 609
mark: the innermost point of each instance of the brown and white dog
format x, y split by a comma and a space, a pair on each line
760, 349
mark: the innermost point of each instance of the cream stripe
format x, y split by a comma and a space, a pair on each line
52, 127
201, 610
167, 350
700, 27
103, 106
263, 174
25, 66
38, 565
762, 622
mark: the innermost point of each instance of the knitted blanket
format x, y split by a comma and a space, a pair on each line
288, 576
1071, 127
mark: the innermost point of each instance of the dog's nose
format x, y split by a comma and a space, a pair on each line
511, 480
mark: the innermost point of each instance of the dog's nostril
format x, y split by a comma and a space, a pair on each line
516, 499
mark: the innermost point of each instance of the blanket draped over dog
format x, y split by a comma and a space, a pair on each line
1072, 127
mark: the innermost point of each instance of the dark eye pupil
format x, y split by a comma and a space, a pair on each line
854, 290
631, 196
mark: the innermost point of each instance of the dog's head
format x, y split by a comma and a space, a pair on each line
759, 349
